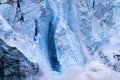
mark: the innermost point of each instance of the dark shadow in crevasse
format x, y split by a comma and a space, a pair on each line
52, 49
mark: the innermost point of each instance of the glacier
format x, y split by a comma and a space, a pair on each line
59, 39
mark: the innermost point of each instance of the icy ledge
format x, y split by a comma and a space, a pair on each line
28, 48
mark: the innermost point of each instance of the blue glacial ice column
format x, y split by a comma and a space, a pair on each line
69, 52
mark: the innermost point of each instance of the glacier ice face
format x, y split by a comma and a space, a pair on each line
61, 34
68, 49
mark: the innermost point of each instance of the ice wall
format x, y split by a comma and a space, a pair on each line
59, 34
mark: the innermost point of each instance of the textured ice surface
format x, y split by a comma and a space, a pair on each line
68, 39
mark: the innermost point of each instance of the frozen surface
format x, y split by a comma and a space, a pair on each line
67, 39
